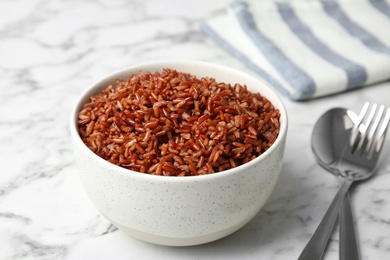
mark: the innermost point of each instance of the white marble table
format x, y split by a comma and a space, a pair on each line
51, 50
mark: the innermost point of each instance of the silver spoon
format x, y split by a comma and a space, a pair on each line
332, 144
344, 121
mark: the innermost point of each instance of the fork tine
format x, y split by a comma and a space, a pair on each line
381, 134
354, 139
373, 128
365, 127
369, 130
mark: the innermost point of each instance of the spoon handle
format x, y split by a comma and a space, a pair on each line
348, 242
317, 243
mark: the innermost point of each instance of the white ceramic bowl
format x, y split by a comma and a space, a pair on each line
180, 211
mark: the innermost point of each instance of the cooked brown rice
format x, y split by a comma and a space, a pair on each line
172, 123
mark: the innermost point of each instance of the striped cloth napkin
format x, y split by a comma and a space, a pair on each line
308, 48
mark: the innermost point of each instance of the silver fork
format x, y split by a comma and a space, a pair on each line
362, 138
366, 142
358, 163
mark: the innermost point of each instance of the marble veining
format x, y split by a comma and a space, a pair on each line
51, 50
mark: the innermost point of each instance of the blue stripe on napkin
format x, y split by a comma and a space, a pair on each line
299, 79
356, 74
263, 74
333, 9
381, 6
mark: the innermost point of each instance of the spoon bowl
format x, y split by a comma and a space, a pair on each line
330, 136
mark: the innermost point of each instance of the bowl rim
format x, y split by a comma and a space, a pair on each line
166, 64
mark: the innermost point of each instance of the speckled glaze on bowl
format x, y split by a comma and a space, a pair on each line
180, 211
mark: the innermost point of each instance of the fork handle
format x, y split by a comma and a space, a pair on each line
316, 246
348, 242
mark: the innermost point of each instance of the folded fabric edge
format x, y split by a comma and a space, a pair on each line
296, 96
